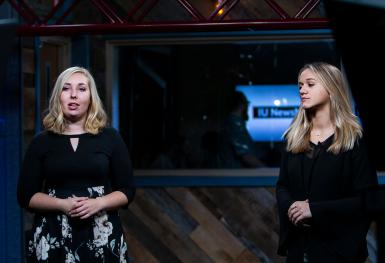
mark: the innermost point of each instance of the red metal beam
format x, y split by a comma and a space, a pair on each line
147, 10
204, 26
56, 6
25, 12
30, 11
217, 9
191, 10
113, 12
66, 13
307, 8
106, 11
227, 10
136, 7
277, 9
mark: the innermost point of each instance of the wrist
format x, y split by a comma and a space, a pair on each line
60, 204
102, 203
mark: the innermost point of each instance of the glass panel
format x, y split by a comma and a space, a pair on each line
178, 108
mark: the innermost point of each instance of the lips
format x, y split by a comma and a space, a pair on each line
73, 106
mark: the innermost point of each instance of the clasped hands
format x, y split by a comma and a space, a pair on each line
299, 211
82, 207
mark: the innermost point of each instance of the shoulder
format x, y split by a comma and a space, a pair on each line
284, 149
359, 149
360, 143
41, 142
109, 132
42, 137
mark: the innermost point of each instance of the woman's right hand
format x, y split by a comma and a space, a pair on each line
70, 203
299, 211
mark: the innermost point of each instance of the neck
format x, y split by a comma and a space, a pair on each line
322, 122
321, 118
75, 127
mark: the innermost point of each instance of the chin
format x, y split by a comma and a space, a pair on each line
308, 106
72, 116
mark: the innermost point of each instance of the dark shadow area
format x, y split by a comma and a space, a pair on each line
174, 99
360, 38
359, 31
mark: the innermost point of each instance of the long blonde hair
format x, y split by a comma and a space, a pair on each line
96, 117
347, 128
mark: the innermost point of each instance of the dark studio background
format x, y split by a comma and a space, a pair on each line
179, 94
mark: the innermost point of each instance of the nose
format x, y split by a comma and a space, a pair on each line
74, 94
302, 91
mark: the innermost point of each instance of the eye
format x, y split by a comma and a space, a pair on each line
82, 88
65, 88
311, 84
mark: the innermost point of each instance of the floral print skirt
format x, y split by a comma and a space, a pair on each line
58, 238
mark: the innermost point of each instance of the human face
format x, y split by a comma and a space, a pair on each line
75, 97
313, 94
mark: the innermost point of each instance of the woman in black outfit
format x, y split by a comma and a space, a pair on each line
324, 169
75, 176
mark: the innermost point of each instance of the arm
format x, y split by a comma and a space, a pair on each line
44, 202
363, 177
284, 198
84, 207
122, 179
31, 177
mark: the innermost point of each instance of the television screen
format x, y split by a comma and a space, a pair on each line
271, 109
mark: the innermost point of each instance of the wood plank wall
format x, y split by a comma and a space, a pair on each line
199, 225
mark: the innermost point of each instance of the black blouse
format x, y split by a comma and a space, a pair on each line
332, 183
99, 160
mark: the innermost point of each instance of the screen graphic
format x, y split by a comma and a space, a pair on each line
271, 109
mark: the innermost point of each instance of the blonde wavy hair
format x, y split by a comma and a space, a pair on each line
96, 116
347, 127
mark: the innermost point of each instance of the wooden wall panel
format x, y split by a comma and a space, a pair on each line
170, 233
147, 238
137, 250
251, 213
202, 225
227, 246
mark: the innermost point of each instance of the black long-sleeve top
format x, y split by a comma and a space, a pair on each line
99, 160
332, 183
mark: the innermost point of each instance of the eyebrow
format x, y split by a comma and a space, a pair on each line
307, 79
80, 84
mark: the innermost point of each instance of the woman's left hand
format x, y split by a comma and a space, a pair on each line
299, 211
87, 208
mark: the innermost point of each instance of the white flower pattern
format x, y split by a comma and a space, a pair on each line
44, 244
65, 227
99, 190
122, 250
42, 249
102, 229
70, 258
